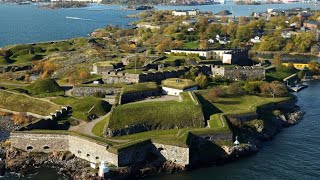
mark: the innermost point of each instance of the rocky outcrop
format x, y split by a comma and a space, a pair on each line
14, 68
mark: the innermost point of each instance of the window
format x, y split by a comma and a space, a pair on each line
97, 157
46, 147
29, 147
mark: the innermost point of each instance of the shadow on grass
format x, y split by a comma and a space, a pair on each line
207, 107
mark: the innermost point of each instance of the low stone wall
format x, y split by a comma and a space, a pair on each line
90, 90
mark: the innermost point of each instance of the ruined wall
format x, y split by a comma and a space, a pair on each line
90, 90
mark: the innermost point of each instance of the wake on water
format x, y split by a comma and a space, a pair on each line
77, 18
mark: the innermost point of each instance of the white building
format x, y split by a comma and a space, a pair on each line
185, 12
175, 86
147, 26
286, 35
176, 92
255, 39
228, 56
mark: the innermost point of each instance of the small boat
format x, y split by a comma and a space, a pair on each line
298, 87
77, 18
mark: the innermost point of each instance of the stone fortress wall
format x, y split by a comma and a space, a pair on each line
94, 151
120, 77
90, 90
239, 72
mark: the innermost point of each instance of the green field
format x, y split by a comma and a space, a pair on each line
167, 115
191, 45
81, 106
22, 103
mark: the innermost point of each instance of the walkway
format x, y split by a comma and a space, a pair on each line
86, 128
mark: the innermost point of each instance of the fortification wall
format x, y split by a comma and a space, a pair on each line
40, 142
239, 72
131, 97
178, 155
90, 90
218, 137
91, 151
118, 77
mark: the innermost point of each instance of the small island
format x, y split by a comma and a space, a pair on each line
181, 90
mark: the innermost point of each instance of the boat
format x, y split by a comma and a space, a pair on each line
76, 18
298, 87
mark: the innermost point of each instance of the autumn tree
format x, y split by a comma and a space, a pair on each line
214, 94
276, 61
275, 88
202, 80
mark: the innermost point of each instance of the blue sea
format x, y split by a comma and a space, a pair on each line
29, 23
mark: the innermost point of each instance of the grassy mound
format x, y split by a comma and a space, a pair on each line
23, 103
46, 87
167, 115
82, 106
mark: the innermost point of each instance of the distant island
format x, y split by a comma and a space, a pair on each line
58, 5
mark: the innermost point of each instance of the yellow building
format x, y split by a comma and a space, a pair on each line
298, 65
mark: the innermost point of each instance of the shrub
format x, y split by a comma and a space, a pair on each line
21, 119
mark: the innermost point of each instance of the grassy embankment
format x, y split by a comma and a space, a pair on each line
23, 103
82, 106
46, 87
167, 115
140, 87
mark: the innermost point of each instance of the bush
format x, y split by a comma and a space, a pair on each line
20, 119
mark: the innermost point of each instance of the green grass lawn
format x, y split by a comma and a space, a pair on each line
273, 75
244, 103
81, 106
191, 45
23, 103
169, 114
99, 127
